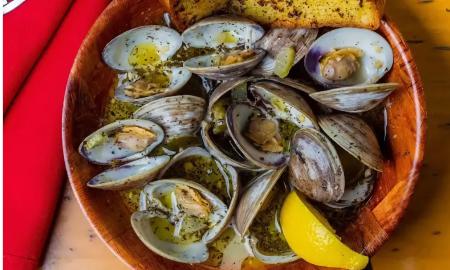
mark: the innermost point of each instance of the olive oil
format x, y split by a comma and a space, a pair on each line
143, 55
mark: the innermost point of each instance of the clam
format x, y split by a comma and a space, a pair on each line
284, 104
258, 212
196, 164
276, 39
354, 136
232, 38
121, 141
130, 175
253, 198
177, 115
315, 168
355, 99
348, 56
152, 85
257, 135
144, 52
178, 218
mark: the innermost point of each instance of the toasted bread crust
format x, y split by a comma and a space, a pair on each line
312, 13
287, 13
184, 13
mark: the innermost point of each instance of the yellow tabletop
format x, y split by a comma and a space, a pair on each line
422, 241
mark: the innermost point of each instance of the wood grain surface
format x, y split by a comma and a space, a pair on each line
372, 228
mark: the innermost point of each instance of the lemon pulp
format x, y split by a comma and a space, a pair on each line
311, 237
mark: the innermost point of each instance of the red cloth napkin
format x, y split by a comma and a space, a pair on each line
26, 31
33, 162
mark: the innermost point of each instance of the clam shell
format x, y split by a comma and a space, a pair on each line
375, 63
252, 241
177, 115
166, 40
178, 78
285, 104
229, 174
355, 99
354, 136
314, 166
253, 198
205, 33
195, 252
215, 151
130, 175
236, 119
108, 152
204, 66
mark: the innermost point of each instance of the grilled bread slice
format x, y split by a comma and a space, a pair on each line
312, 13
184, 13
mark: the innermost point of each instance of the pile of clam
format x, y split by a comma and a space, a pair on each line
284, 134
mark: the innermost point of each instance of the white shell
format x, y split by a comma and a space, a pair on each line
195, 252
108, 152
166, 40
178, 77
177, 115
205, 33
130, 175
376, 61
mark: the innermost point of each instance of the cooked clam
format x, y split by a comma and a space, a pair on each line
121, 141
315, 168
177, 115
354, 136
355, 99
130, 175
144, 53
233, 39
257, 135
178, 218
284, 104
196, 164
149, 86
348, 56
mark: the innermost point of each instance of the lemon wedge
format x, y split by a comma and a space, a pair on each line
311, 237
284, 61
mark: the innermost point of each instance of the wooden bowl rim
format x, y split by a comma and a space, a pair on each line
397, 42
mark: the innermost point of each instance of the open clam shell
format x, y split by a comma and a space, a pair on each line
229, 181
354, 136
375, 62
209, 66
253, 198
314, 166
285, 104
355, 99
104, 147
130, 175
225, 30
159, 40
237, 119
153, 206
177, 76
177, 115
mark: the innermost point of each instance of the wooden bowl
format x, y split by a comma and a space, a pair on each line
88, 90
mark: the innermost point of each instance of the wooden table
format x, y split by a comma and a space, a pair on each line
422, 241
